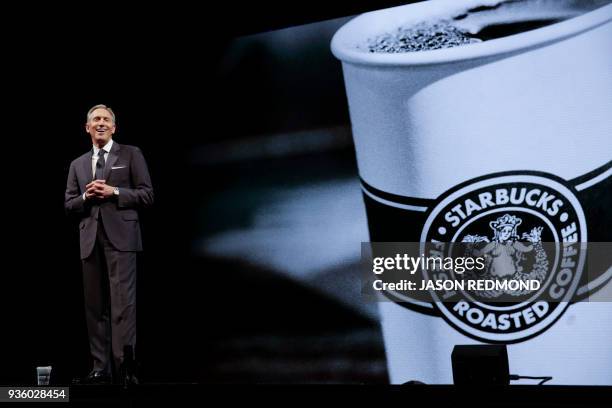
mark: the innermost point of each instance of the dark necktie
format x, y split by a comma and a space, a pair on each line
100, 165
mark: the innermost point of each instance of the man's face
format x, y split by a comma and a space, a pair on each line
100, 127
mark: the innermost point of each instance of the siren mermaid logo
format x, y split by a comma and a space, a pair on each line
505, 254
528, 227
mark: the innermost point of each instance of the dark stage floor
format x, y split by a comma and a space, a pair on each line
177, 394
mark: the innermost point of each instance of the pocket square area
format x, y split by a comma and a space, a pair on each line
118, 167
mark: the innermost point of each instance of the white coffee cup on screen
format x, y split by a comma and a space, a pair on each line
524, 115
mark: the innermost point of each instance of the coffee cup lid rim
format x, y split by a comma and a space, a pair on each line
345, 40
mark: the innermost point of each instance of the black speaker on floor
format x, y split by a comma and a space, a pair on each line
480, 365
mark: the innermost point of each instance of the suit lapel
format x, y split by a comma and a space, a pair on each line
87, 168
112, 159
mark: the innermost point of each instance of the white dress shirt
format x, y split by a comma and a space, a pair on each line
94, 159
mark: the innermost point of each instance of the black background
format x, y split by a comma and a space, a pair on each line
156, 66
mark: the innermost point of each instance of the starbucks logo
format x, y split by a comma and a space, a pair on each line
528, 227
506, 254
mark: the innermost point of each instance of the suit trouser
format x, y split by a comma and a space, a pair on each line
109, 282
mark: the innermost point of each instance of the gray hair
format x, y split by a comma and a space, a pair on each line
109, 110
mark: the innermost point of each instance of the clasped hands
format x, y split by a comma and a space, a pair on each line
98, 189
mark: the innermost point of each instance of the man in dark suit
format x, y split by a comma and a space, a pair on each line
106, 188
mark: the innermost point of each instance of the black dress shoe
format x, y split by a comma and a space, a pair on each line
130, 380
127, 376
129, 368
97, 377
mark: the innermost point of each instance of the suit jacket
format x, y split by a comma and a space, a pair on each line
125, 168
